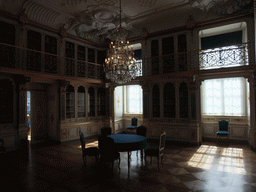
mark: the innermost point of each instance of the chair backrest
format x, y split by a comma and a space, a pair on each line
141, 130
82, 140
223, 125
134, 121
162, 143
2, 141
107, 147
105, 131
2, 148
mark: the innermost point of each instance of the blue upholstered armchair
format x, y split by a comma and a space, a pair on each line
223, 129
90, 151
157, 151
134, 123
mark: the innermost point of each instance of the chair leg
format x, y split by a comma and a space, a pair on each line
97, 159
158, 162
84, 159
162, 160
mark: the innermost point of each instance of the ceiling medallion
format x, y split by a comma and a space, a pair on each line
120, 66
96, 22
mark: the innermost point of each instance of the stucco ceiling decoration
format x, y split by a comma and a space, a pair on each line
109, 2
221, 7
97, 21
40, 14
230, 7
102, 20
147, 3
71, 2
45, 15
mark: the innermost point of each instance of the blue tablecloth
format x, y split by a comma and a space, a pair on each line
129, 142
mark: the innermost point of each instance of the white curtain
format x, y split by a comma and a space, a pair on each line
227, 96
133, 99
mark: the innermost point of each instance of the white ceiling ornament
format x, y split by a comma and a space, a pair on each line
231, 6
100, 20
146, 3
221, 7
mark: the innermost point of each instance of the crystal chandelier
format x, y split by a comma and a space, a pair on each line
120, 66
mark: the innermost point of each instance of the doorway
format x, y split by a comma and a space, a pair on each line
36, 115
28, 115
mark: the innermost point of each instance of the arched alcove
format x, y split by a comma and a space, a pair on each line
156, 101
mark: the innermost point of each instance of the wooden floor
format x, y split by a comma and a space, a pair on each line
209, 167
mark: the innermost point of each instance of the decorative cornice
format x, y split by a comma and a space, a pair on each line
248, 13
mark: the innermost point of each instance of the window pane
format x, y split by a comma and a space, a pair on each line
224, 96
133, 99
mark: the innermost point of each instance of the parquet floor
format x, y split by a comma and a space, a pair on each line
209, 167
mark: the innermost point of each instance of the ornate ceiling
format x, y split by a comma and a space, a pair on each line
96, 19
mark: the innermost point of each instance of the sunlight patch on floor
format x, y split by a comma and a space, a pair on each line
221, 159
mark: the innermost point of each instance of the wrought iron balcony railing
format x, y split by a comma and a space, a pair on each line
223, 57
32, 60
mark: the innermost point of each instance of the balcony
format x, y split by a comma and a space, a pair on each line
20, 60
200, 60
15, 59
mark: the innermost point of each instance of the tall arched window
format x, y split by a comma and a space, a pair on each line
7, 36
155, 56
81, 69
70, 102
101, 102
91, 100
34, 57
168, 54
156, 101
81, 102
183, 96
50, 60
69, 60
169, 100
182, 50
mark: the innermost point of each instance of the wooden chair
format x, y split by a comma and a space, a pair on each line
90, 151
141, 130
133, 124
2, 148
157, 151
105, 131
107, 151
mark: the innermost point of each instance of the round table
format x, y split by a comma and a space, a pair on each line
129, 142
